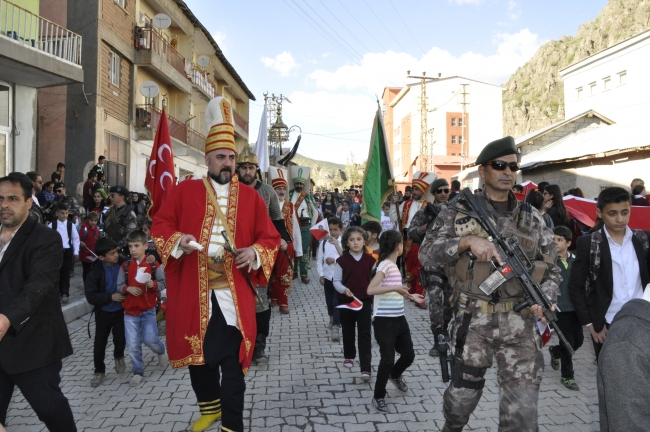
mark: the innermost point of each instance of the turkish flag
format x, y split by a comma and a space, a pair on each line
354, 305
161, 177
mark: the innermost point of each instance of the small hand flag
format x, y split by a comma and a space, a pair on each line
320, 230
354, 305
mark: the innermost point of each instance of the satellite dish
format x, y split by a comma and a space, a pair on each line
203, 60
162, 21
149, 89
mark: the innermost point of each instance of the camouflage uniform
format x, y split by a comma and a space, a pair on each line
494, 331
118, 223
74, 210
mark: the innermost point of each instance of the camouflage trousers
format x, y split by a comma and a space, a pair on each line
440, 307
516, 344
263, 292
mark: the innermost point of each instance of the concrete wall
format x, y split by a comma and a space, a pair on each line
580, 125
25, 117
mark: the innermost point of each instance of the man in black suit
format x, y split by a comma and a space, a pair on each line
612, 266
33, 334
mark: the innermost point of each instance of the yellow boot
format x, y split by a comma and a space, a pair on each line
204, 422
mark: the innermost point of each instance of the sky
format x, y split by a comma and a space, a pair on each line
333, 58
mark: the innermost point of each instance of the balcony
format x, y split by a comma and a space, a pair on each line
203, 83
147, 119
162, 59
36, 52
241, 125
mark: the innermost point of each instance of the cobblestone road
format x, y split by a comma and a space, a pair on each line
304, 387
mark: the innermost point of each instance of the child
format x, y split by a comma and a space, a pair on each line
70, 242
88, 235
151, 247
567, 320
351, 278
344, 214
101, 291
373, 229
140, 304
391, 329
386, 222
329, 250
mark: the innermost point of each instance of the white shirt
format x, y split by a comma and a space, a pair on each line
625, 272
62, 229
327, 270
417, 205
35, 200
13, 234
296, 234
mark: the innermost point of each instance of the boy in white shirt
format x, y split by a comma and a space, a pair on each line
329, 249
70, 243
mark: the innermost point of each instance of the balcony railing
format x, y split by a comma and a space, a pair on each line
149, 39
32, 30
149, 116
201, 79
239, 121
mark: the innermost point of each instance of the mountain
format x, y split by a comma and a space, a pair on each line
327, 175
534, 96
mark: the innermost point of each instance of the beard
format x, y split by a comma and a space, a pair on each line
281, 197
298, 188
224, 176
247, 180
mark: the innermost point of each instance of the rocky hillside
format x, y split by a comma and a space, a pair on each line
534, 94
327, 175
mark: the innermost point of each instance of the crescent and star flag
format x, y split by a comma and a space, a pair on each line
261, 147
320, 230
161, 177
544, 331
354, 305
378, 180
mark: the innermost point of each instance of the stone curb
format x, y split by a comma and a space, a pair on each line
76, 309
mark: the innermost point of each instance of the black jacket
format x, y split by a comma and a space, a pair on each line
95, 286
591, 304
29, 298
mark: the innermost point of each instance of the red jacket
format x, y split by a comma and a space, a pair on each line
89, 236
135, 305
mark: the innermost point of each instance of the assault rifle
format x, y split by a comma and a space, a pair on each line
516, 263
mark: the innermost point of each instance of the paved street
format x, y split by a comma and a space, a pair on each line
304, 387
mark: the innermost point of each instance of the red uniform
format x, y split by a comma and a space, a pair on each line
282, 275
410, 254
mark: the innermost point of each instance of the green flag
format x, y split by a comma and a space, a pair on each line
378, 181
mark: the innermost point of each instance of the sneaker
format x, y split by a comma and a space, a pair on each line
366, 376
163, 360
555, 361
97, 379
135, 381
570, 383
336, 333
65, 299
380, 405
348, 363
399, 383
119, 365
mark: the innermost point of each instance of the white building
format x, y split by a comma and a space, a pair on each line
484, 123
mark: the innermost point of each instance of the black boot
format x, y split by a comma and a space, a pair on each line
259, 357
435, 351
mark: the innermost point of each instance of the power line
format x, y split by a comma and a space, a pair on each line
382, 23
344, 26
407, 27
362, 26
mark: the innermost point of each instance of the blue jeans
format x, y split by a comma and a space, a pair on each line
139, 329
332, 302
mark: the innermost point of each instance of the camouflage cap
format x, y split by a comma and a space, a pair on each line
501, 147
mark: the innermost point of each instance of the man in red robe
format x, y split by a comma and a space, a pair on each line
210, 303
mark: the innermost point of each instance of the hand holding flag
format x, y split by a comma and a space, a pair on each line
320, 230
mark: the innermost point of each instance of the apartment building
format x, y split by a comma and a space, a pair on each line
111, 117
35, 53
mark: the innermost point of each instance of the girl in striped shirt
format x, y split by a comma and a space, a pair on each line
391, 329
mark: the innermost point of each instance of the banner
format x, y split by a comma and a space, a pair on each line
261, 147
161, 177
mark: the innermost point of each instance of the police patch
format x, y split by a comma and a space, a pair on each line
437, 224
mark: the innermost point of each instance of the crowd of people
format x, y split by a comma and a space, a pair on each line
244, 263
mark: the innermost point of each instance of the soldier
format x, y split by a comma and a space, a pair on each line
487, 326
407, 210
306, 212
438, 288
120, 220
75, 212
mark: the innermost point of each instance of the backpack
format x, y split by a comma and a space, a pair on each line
54, 224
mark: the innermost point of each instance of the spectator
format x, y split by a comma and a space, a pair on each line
70, 243
37, 181
100, 288
636, 182
32, 329
99, 168
554, 206
151, 247
386, 222
120, 220
639, 196
99, 206
612, 264
88, 236
75, 213
576, 192
624, 370
100, 185
329, 206
35, 211
407, 193
88, 190
518, 188
46, 194
542, 186
57, 176
536, 200
455, 188
344, 214
138, 207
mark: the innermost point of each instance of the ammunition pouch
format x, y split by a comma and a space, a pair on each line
459, 368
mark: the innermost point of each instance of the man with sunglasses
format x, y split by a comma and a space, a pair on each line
120, 219
75, 212
486, 326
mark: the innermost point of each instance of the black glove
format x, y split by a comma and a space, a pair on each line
431, 212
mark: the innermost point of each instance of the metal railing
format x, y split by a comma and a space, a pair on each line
32, 30
239, 121
200, 78
149, 116
195, 139
149, 39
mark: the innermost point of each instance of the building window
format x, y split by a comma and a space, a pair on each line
460, 122
121, 3
622, 78
116, 149
606, 83
592, 88
114, 73
460, 139
453, 122
579, 91
453, 139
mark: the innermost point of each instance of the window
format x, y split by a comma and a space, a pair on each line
460, 139
579, 92
592, 89
460, 122
121, 3
606, 83
114, 73
622, 78
453, 139
115, 170
453, 122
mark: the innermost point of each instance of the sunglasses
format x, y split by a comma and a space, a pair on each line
59, 191
500, 165
439, 191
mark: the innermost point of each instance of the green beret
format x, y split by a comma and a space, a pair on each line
501, 147
437, 184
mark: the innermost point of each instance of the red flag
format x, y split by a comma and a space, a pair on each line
544, 331
320, 230
161, 177
355, 305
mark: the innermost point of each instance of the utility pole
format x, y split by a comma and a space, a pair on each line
431, 143
424, 147
463, 155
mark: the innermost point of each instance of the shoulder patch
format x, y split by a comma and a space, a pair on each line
437, 224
